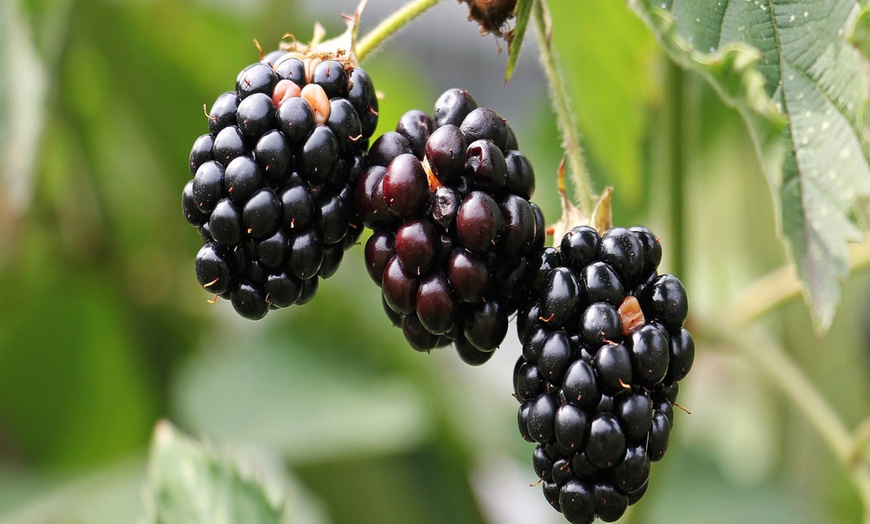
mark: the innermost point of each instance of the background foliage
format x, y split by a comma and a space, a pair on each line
105, 330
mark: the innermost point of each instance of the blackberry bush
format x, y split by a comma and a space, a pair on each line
272, 188
603, 351
448, 197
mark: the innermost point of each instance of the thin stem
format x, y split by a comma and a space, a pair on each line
390, 25
781, 371
564, 115
676, 79
780, 286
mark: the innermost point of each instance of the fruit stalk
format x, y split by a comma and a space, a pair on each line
390, 25
564, 115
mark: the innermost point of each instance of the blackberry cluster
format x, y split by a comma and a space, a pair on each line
273, 180
448, 199
603, 350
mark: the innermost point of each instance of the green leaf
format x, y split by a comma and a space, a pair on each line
70, 400
611, 86
523, 12
802, 90
263, 395
193, 483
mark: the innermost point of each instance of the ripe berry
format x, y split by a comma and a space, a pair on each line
256, 115
603, 349
462, 225
478, 222
225, 223
406, 190
445, 153
256, 78
416, 126
571, 427
485, 124
486, 324
561, 296
436, 307
542, 414
452, 107
272, 187
228, 144
576, 502
223, 112
555, 356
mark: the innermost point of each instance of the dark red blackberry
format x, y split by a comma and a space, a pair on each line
603, 349
454, 230
452, 107
406, 188
272, 187
416, 126
444, 151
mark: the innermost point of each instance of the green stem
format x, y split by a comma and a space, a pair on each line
390, 25
676, 79
780, 286
782, 372
564, 115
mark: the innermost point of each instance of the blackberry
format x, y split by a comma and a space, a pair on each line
454, 229
603, 350
272, 187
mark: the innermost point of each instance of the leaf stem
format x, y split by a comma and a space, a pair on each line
564, 114
780, 286
784, 373
390, 25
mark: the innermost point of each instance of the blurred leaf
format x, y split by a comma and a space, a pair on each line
297, 398
106, 496
760, 60
71, 385
607, 58
427, 486
523, 13
190, 482
22, 116
686, 488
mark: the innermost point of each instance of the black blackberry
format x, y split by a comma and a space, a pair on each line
603, 349
272, 187
454, 229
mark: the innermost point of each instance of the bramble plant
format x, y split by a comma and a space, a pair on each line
466, 262
285, 181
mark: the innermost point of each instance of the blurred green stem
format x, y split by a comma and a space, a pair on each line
779, 286
764, 295
677, 148
564, 115
782, 372
390, 25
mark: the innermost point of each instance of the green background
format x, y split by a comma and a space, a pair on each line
104, 330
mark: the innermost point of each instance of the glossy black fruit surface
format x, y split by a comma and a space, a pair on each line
603, 348
271, 193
